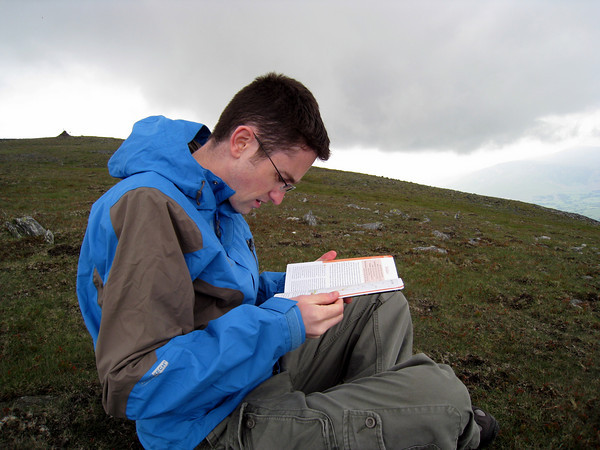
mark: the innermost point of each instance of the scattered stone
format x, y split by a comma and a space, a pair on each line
397, 212
49, 237
352, 205
310, 219
474, 241
575, 303
293, 218
457, 215
371, 226
543, 238
28, 226
431, 248
440, 235
580, 248
425, 220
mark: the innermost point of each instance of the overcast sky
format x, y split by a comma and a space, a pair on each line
415, 90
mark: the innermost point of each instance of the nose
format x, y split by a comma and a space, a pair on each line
276, 196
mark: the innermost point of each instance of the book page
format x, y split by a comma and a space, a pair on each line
354, 276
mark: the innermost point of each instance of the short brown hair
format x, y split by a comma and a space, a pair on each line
284, 111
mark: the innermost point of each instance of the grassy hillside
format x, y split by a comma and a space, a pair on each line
505, 292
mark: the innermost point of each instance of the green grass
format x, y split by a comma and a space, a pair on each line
515, 314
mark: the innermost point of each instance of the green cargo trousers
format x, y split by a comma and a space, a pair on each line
356, 387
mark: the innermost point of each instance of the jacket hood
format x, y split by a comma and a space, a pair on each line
157, 144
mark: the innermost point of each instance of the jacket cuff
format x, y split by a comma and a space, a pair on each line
293, 318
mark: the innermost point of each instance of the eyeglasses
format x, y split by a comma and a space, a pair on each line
286, 186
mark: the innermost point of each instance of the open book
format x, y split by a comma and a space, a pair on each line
350, 277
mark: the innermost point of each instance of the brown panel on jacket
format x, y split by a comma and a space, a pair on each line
148, 297
212, 302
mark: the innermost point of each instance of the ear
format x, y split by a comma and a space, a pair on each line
241, 141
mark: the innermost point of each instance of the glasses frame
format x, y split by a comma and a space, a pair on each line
286, 186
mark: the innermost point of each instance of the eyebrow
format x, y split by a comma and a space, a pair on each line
287, 178
290, 179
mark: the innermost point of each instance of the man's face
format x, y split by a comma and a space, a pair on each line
256, 181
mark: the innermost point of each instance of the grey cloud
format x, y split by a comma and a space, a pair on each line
482, 80
393, 75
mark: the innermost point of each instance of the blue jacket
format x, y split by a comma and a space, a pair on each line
169, 288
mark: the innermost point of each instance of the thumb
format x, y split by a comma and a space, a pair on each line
329, 256
328, 298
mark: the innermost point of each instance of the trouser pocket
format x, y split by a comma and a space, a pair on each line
422, 427
363, 430
266, 429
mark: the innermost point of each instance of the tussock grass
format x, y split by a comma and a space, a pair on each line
511, 304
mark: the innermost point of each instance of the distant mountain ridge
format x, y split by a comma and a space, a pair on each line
568, 181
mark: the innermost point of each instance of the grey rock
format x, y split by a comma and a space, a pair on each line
352, 205
431, 248
575, 303
310, 219
27, 226
49, 237
397, 212
440, 235
580, 248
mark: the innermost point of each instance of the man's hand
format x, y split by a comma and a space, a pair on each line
329, 256
320, 312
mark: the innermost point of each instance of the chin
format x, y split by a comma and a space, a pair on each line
242, 210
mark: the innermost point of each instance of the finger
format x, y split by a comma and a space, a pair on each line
331, 298
329, 256
319, 299
335, 312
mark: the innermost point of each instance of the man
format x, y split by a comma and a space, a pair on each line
190, 341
